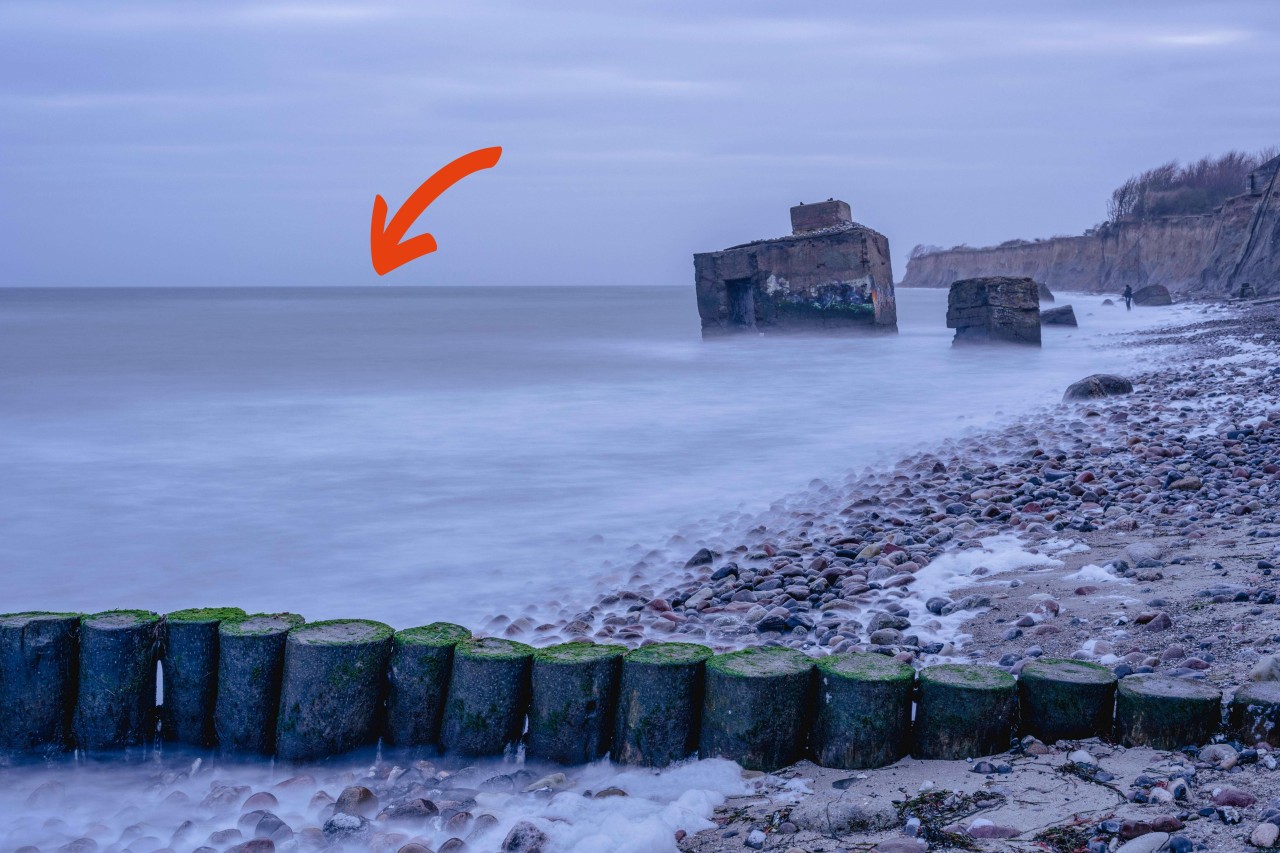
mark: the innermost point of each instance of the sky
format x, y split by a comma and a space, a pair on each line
236, 143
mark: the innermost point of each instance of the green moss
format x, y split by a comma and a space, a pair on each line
493, 648
763, 661
669, 654
260, 624
345, 675
1067, 669
969, 675
341, 632
865, 667
139, 617
577, 652
435, 634
5, 619
205, 614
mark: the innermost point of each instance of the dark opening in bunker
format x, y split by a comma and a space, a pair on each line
742, 302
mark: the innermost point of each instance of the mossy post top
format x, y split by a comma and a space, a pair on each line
261, 624
205, 614
1164, 687
437, 634
493, 648
118, 620
1258, 693
669, 654
19, 620
972, 676
578, 651
1065, 669
865, 666
761, 662
341, 632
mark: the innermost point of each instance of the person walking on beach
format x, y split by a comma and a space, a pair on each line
1128, 298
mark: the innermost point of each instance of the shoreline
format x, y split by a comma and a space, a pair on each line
1160, 562
892, 552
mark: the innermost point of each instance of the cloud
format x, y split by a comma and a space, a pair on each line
684, 126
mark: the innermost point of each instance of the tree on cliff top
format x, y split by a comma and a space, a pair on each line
1172, 189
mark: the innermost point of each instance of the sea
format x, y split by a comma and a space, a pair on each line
414, 454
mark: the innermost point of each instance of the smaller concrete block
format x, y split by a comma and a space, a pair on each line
824, 214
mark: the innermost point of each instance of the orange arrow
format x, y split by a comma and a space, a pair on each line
384, 240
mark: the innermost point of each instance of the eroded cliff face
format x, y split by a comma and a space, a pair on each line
1210, 254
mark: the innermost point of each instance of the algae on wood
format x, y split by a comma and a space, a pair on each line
250, 665
39, 662
418, 682
332, 689
1166, 713
964, 711
190, 667
488, 696
756, 707
659, 704
864, 711
116, 696
1066, 699
574, 694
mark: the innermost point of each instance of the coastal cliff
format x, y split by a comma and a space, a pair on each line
1198, 255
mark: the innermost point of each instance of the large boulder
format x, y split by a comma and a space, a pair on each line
1098, 385
1063, 316
995, 309
1046, 295
1152, 294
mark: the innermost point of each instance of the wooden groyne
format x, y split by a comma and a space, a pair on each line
272, 684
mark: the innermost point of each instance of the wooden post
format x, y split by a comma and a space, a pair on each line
573, 701
116, 698
250, 665
964, 711
659, 704
1166, 713
418, 681
1066, 699
864, 711
488, 697
756, 707
333, 687
39, 660
1255, 713
190, 667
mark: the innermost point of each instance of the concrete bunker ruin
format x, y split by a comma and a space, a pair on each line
831, 274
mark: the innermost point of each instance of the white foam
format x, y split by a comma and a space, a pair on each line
961, 568
1096, 574
115, 801
1063, 546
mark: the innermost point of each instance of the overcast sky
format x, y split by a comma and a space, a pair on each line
235, 143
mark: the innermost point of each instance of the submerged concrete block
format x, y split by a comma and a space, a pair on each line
830, 274
997, 309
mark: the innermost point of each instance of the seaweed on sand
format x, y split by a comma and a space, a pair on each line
938, 809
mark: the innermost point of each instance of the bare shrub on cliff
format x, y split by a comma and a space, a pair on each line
923, 249
1172, 189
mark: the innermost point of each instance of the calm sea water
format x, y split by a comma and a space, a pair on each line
421, 454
